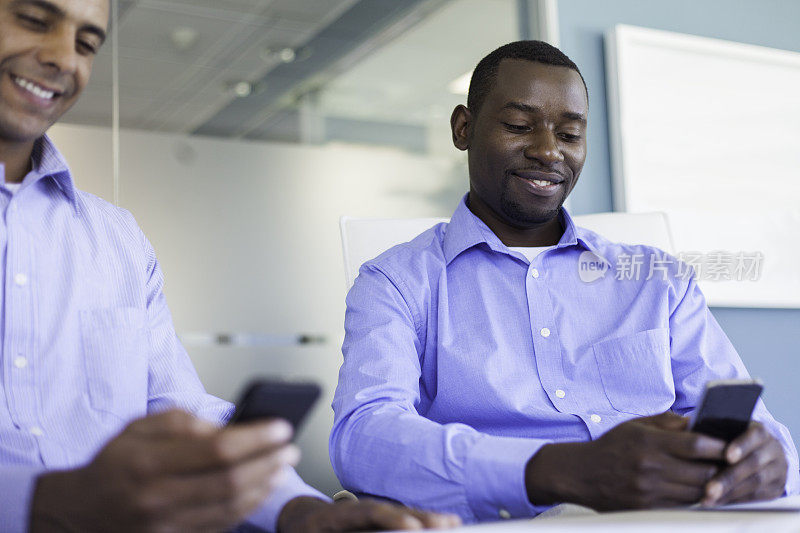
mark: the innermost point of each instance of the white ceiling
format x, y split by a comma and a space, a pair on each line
398, 76
166, 89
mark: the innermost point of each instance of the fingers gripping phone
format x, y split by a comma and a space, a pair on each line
726, 408
276, 399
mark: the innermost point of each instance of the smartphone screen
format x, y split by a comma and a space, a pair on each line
726, 408
276, 399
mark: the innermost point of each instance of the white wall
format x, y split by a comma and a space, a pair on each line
247, 235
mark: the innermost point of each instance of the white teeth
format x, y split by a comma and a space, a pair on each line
33, 88
542, 183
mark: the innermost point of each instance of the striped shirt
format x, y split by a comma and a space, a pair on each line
88, 343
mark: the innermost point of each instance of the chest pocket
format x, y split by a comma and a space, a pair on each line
636, 372
115, 354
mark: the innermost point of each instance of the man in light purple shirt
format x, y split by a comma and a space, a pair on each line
483, 375
104, 424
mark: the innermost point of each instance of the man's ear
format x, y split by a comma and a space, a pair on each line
461, 126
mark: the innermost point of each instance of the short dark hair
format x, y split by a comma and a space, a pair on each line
485, 74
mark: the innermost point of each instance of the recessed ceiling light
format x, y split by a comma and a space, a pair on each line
287, 55
242, 89
184, 37
460, 85
284, 54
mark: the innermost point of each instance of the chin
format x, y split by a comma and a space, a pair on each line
527, 215
22, 131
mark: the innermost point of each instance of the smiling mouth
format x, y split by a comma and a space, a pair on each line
539, 178
34, 88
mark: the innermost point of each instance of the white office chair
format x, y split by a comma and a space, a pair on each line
366, 238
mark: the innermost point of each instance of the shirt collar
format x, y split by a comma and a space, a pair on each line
465, 230
47, 161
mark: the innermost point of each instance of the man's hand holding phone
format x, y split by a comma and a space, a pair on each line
667, 460
168, 472
756, 469
755, 465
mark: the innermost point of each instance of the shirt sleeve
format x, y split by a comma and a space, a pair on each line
701, 352
381, 445
173, 382
17, 484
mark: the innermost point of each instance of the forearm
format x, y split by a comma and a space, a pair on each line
391, 452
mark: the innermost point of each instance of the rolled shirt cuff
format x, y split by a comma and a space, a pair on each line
292, 487
17, 485
495, 469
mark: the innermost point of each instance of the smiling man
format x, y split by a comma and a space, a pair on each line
482, 376
104, 424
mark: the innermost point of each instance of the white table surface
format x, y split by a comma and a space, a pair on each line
680, 520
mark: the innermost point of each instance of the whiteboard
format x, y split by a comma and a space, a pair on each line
708, 131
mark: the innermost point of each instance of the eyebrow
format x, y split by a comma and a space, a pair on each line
526, 108
58, 12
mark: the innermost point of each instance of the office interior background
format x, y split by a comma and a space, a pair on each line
238, 132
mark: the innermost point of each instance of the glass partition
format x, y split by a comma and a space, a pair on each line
247, 128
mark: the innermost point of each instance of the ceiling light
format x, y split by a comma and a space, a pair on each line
184, 37
285, 54
242, 89
460, 85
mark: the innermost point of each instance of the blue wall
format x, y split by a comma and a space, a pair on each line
767, 339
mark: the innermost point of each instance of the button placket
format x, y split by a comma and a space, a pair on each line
19, 338
546, 345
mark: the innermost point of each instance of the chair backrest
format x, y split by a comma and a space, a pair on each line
651, 229
366, 238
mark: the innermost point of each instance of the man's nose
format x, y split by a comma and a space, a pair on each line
58, 50
543, 146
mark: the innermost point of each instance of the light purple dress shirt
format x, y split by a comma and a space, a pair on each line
87, 339
461, 360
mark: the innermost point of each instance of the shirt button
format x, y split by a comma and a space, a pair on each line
560, 393
20, 362
545, 332
37, 431
504, 514
535, 273
20, 279
596, 419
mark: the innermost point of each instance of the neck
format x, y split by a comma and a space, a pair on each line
547, 233
16, 158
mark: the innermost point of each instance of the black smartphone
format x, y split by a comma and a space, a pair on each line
276, 399
726, 408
